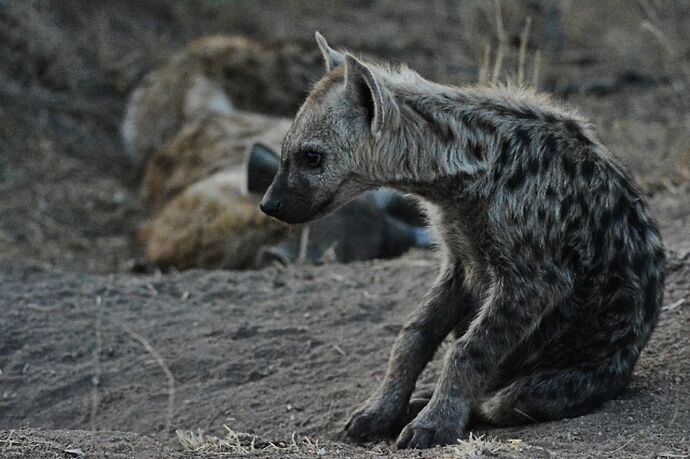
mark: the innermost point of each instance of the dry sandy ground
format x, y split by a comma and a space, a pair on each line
275, 353
97, 359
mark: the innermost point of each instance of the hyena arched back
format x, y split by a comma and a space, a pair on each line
553, 268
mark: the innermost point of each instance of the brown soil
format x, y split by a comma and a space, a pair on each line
94, 356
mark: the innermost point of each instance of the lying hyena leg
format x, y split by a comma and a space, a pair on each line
447, 304
552, 394
509, 315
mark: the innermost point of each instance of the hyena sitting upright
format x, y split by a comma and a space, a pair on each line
553, 267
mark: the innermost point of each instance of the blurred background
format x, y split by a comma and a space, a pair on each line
68, 66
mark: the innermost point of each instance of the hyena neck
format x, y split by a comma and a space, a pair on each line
440, 139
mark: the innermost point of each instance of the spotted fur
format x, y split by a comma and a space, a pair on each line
553, 267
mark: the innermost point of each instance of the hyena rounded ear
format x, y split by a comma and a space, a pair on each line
262, 166
378, 102
331, 57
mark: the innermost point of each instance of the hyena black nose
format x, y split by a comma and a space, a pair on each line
271, 208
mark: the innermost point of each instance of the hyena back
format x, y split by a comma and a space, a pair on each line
553, 267
215, 75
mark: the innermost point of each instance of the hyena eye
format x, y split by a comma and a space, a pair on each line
312, 159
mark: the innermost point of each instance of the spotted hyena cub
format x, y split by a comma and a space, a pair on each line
553, 267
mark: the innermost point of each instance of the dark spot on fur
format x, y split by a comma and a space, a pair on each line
624, 342
533, 166
516, 179
551, 144
639, 264
651, 306
625, 353
659, 253
475, 151
621, 305
441, 130
477, 359
637, 223
482, 124
573, 226
548, 117
576, 131
587, 168
566, 204
504, 153
619, 244
550, 277
606, 218
568, 166
619, 262
598, 241
527, 114
571, 257
550, 192
620, 208
582, 201
522, 136
613, 284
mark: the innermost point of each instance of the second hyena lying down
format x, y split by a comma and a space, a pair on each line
553, 267
204, 189
215, 74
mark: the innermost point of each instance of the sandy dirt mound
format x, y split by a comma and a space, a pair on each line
275, 353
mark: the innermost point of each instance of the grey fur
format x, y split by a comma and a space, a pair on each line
553, 266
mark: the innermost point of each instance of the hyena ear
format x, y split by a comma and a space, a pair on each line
378, 102
331, 57
261, 168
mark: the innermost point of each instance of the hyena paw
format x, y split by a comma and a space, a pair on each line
374, 420
428, 430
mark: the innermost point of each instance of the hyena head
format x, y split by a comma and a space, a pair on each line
328, 149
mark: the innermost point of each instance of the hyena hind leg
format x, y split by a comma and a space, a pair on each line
548, 395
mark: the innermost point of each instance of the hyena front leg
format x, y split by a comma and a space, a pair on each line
510, 314
447, 303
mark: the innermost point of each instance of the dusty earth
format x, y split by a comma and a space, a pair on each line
97, 359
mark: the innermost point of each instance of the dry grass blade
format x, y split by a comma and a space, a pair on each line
524, 39
483, 77
502, 41
536, 68
303, 244
98, 349
163, 366
237, 443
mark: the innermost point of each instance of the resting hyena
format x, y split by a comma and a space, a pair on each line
553, 267
214, 75
204, 188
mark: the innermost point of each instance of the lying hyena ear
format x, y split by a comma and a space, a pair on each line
378, 102
261, 168
331, 57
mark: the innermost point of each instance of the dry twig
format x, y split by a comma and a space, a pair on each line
163, 366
